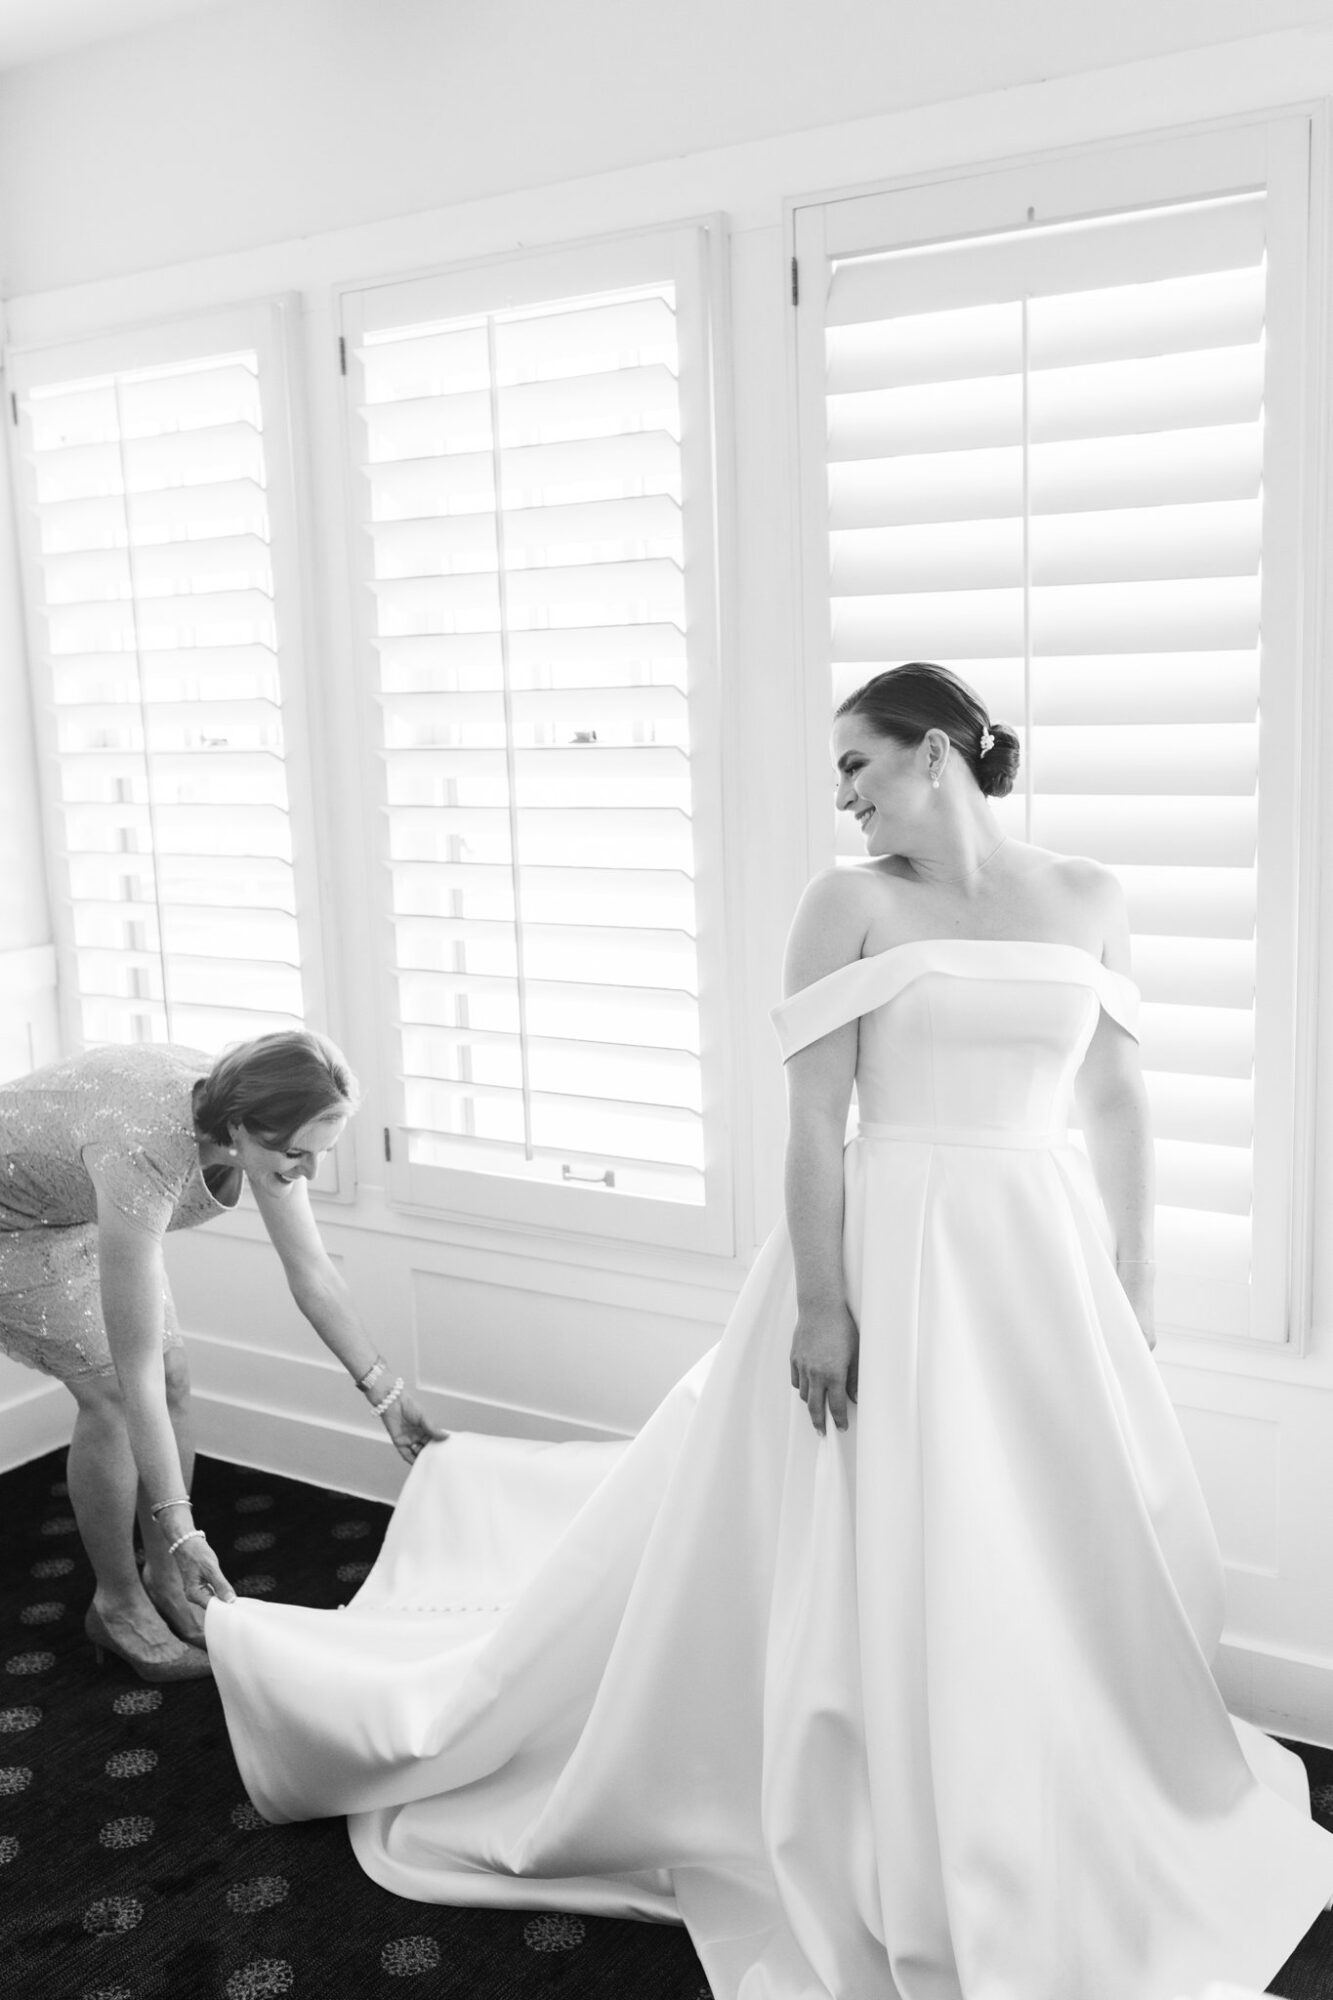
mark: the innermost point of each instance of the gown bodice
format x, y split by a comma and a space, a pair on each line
978, 1035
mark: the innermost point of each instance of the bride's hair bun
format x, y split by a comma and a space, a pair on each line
904, 702
996, 771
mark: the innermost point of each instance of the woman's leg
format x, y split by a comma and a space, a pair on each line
51, 1319
103, 1489
160, 1572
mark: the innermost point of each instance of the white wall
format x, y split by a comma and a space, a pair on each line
122, 162
266, 119
34, 1412
25, 922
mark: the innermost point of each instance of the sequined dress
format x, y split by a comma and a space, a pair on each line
125, 1113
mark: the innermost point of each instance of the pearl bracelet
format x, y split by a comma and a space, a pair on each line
390, 1399
194, 1535
182, 1500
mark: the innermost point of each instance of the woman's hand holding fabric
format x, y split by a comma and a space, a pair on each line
409, 1428
201, 1573
824, 1354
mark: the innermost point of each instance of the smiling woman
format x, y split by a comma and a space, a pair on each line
103, 1154
273, 1107
895, 711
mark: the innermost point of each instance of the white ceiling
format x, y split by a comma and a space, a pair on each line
33, 29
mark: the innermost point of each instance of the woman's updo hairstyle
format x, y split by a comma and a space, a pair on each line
904, 702
273, 1086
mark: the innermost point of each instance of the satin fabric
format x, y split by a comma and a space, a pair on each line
918, 1711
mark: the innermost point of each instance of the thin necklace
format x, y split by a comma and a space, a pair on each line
953, 881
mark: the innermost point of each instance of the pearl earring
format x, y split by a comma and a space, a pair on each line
935, 782
232, 1151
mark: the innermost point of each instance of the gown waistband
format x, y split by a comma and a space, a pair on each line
963, 1135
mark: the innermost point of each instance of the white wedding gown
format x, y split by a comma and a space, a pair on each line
919, 1711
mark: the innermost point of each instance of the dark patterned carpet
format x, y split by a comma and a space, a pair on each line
132, 1866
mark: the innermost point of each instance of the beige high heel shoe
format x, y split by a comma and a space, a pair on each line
167, 1613
188, 1664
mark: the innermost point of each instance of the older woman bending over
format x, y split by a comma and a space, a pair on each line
101, 1155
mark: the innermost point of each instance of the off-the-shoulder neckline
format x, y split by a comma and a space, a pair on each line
880, 975
1007, 944
951, 945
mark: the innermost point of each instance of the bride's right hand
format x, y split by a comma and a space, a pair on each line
824, 1353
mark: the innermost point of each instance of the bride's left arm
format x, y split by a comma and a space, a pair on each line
324, 1299
1113, 1111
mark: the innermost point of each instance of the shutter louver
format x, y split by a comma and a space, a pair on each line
1046, 467
152, 531
524, 479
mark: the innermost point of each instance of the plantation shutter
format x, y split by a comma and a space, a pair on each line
162, 618
533, 459
1056, 451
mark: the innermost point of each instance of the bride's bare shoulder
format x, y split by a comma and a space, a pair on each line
831, 924
1084, 895
1074, 873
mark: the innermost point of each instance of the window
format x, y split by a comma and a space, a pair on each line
158, 533
534, 456
1051, 437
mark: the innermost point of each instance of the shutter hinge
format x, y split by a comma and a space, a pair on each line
388, 1144
795, 283
14, 406
342, 353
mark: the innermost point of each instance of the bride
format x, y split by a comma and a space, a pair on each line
915, 1704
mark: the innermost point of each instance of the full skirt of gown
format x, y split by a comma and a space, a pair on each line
918, 1711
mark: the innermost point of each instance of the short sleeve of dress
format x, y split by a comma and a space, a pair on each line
142, 1188
1119, 997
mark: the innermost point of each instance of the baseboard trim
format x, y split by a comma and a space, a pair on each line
345, 1461
35, 1422
354, 1460
1279, 1692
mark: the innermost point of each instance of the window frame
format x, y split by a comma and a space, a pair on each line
1283, 153
692, 253
269, 327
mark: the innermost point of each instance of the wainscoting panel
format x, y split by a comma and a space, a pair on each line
233, 1289
312, 1388
582, 1366
512, 1340
347, 1461
1281, 1692
1237, 1460
295, 1414
1264, 1447
36, 1414
29, 1022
